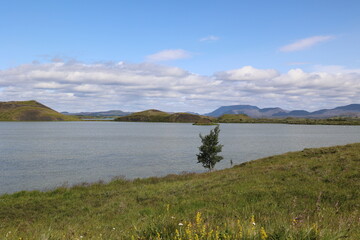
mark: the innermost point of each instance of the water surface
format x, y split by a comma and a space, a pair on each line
43, 155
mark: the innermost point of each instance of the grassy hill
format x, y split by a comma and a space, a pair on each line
310, 194
153, 115
242, 118
30, 111
233, 118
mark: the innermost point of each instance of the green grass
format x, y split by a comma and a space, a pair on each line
311, 194
30, 111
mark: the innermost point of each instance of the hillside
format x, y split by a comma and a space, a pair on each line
310, 194
242, 118
153, 115
30, 111
233, 118
110, 113
352, 110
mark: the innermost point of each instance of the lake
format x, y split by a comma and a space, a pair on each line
43, 155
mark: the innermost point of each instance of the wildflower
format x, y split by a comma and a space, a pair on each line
263, 233
253, 220
181, 224
240, 228
197, 236
113, 228
198, 218
315, 228
172, 217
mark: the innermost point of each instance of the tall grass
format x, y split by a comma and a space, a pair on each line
311, 194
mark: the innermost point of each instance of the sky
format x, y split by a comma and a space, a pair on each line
178, 56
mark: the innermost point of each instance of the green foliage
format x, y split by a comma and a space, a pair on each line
209, 149
310, 194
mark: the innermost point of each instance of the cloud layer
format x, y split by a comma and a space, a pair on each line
305, 43
75, 86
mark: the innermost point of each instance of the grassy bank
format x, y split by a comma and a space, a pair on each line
311, 194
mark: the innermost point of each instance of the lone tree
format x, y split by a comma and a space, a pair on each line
209, 149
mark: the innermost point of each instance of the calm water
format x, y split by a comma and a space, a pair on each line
43, 155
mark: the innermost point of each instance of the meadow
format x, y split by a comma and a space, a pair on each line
310, 194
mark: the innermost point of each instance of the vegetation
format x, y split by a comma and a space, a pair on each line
30, 111
242, 118
159, 116
233, 118
311, 194
209, 149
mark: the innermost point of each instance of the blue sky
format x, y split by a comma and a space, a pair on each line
300, 54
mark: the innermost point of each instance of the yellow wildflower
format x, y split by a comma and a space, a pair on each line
263, 233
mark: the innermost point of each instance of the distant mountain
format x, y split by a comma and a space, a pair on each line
111, 113
30, 111
352, 110
251, 111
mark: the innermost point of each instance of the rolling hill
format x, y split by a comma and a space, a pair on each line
154, 115
30, 111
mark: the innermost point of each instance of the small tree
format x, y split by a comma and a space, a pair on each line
209, 149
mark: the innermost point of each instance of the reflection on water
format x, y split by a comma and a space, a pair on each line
42, 155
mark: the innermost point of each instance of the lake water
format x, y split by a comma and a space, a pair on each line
43, 155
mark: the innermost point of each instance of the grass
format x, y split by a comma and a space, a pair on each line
30, 111
311, 194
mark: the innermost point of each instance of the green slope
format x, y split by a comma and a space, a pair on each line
30, 111
153, 115
233, 118
242, 118
310, 194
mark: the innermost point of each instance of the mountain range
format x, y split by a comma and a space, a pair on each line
352, 110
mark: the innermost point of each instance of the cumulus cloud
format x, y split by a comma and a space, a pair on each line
210, 38
168, 55
305, 43
247, 73
75, 86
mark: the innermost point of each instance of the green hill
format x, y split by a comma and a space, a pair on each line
30, 111
233, 118
242, 118
153, 115
310, 194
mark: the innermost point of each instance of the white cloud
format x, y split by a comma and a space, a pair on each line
247, 73
168, 55
91, 87
305, 43
210, 38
